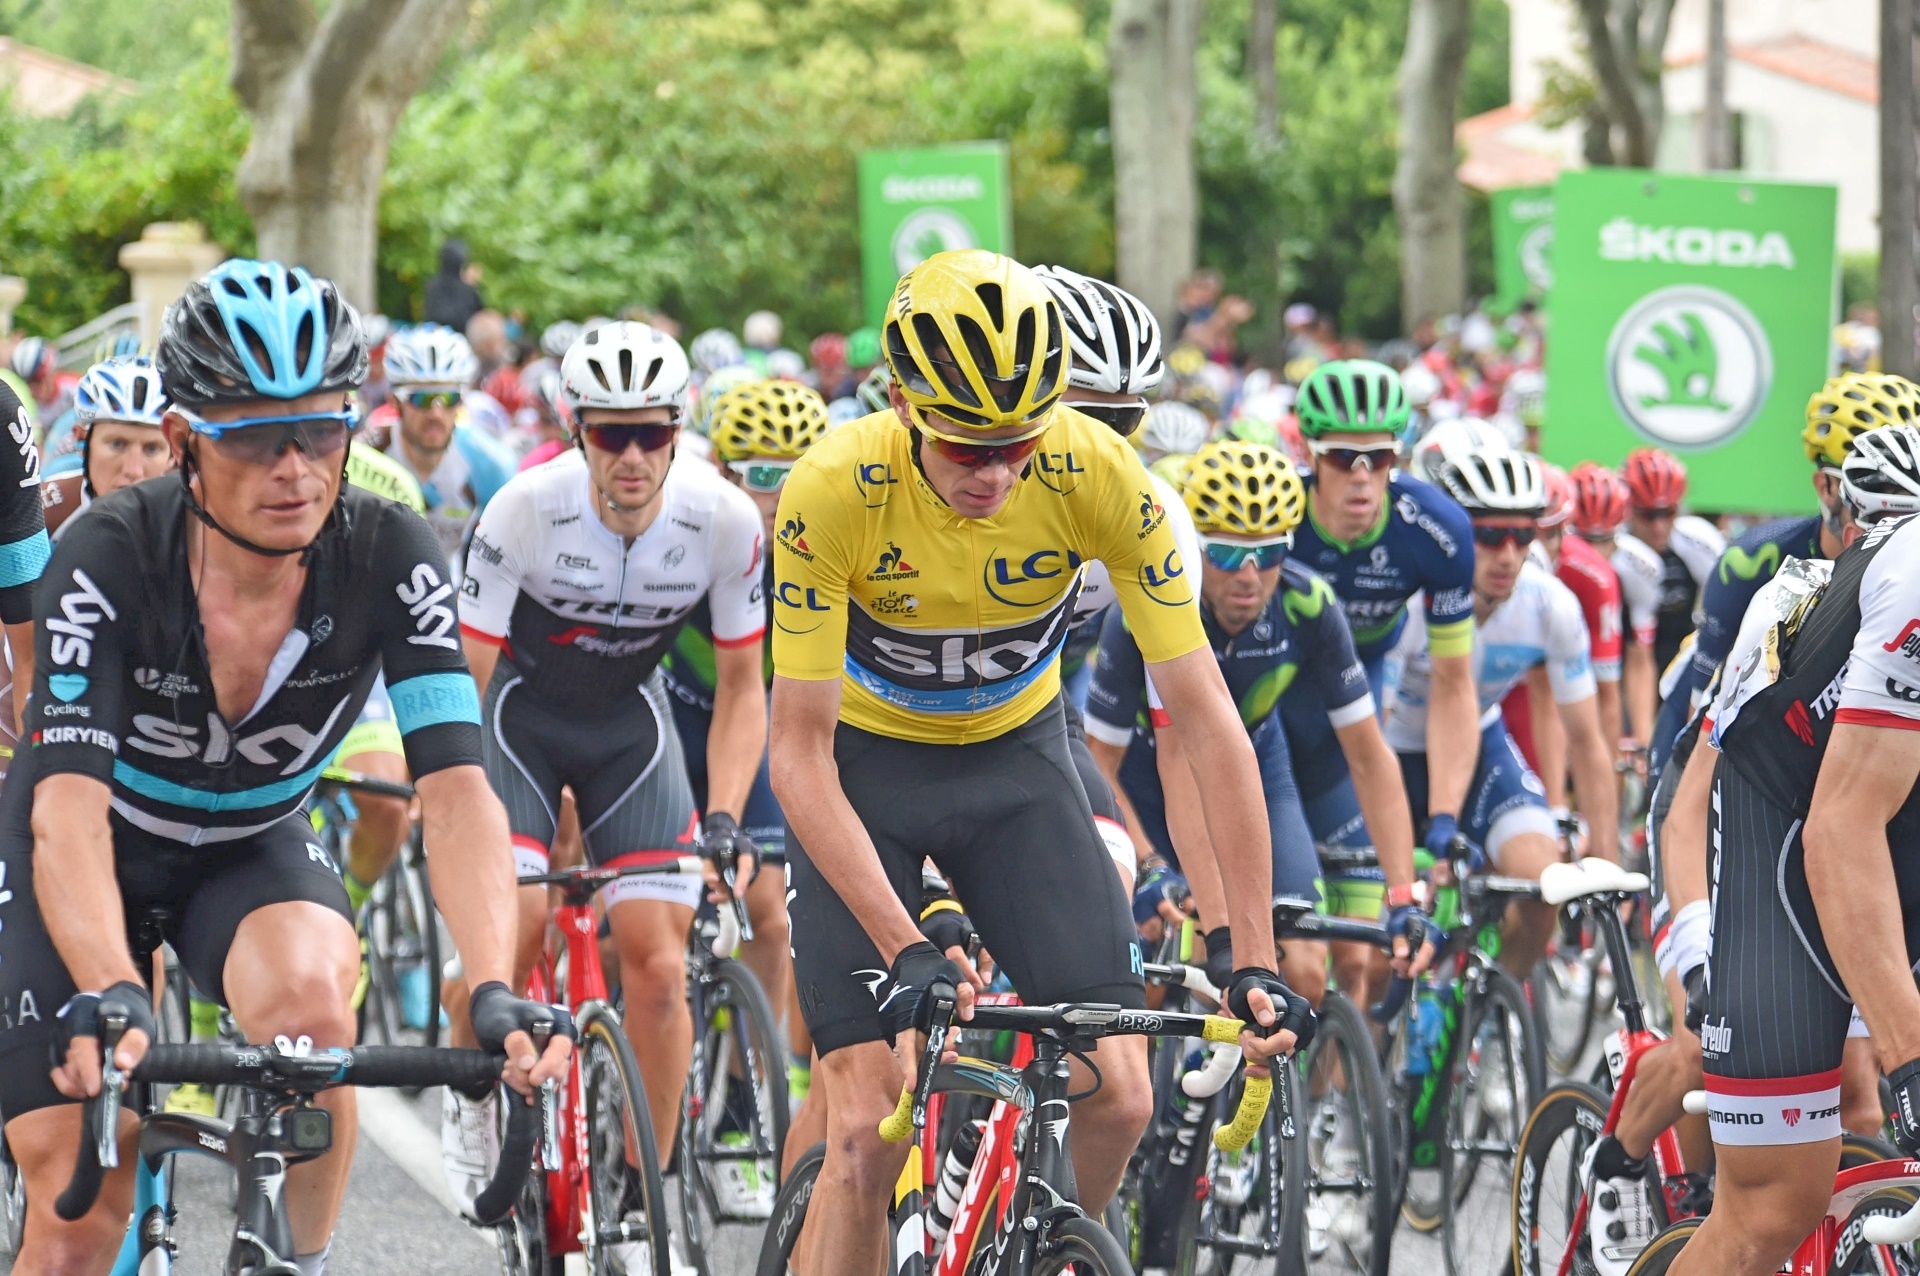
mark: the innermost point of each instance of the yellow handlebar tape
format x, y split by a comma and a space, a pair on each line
1253, 1110
1222, 1029
940, 906
899, 1126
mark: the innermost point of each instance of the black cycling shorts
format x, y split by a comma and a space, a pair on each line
1777, 1014
1007, 822
627, 772
195, 896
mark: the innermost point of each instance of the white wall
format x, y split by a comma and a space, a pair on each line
1541, 30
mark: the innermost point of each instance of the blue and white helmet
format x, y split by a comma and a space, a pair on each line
714, 349
123, 389
259, 330
430, 354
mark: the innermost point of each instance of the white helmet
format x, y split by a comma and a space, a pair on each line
1451, 441
1496, 481
1881, 475
625, 364
714, 349
786, 365
558, 337
124, 389
1421, 385
1114, 338
1174, 427
763, 329
430, 354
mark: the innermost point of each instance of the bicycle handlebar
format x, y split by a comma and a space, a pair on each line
355, 782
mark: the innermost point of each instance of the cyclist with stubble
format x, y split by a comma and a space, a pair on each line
266, 595
925, 572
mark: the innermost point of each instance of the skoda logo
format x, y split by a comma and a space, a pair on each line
928, 231
1536, 256
1689, 366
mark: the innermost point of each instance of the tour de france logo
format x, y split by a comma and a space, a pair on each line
1689, 366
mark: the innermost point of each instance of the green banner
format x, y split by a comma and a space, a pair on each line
1691, 313
918, 202
1522, 243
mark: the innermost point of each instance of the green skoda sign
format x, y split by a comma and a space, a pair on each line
1691, 313
1522, 243
916, 203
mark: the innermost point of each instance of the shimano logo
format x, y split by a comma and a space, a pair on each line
682, 587
1735, 1118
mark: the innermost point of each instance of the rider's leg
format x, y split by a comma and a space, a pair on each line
1506, 813
42, 1144
1529, 926
1108, 1124
846, 1227
651, 936
1860, 1111
1765, 1202
381, 825
808, 1124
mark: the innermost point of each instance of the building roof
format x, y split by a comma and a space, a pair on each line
46, 84
1811, 61
1492, 161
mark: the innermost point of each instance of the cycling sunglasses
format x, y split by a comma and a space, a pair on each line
978, 455
260, 440
426, 400
1658, 511
1231, 556
618, 438
1493, 536
1345, 458
761, 476
1122, 418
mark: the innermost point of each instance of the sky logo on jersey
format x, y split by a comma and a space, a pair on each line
1166, 582
793, 538
1908, 641
1032, 581
425, 595
893, 565
80, 610
1058, 471
949, 672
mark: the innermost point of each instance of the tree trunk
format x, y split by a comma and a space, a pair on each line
1719, 127
1152, 108
325, 94
1426, 195
1899, 204
1263, 24
1626, 41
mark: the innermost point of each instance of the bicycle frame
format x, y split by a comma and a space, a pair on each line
990, 1181
1814, 1255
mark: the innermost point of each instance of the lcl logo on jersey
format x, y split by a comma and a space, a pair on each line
1058, 470
1032, 581
1166, 582
873, 479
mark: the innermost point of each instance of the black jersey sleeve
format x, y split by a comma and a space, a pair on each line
415, 614
1118, 690
86, 610
24, 547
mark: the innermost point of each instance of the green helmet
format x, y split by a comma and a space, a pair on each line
1352, 396
863, 347
1251, 429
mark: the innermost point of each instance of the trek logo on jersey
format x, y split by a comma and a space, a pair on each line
1151, 515
1908, 642
1166, 582
425, 595
893, 565
793, 538
583, 609
1058, 471
872, 479
72, 629
1032, 581
77, 735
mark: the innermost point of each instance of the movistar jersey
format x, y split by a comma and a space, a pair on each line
1422, 544
948, 629
1302, 634
1747, 564
123, 691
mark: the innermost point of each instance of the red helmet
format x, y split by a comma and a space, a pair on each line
1599, 499
1655, 479
829, 352
1560, 498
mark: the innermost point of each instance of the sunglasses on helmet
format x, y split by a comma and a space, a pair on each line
618, 438
260, 440
761, 476
1231, 556
1346, 458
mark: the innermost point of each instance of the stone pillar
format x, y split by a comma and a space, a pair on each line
163, 261
13, 291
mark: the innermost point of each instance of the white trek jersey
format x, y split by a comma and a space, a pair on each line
1640, 571
1540, 624
1096, 590
1753, 662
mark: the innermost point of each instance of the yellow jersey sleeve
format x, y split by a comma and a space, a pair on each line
1133, 536
811, 572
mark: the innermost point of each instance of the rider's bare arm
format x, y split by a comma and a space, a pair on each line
1108, 758
738, 736
806, 779
1593, 776
1683, 838
20, 643
1382, 791
1453, 732
1549, 736
1638, 683
1867, 775
1187, 827
482, 655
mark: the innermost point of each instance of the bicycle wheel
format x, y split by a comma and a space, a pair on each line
1348, 1153
522, 1239
1252, 1217
790, 1213
1567, 1121
403, 953
626, 1225
1498, 1071
1851, 1253
1080, 1247
13, 1198
1565, 985
733, 1109
1660, 1252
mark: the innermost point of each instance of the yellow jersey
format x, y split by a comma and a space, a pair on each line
947, 629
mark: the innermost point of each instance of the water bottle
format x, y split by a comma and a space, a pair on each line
414, 991
1423, 1035
953, 1181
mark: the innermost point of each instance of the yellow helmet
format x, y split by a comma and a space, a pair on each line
1234, 488
766, 418
977, 338
1851, 404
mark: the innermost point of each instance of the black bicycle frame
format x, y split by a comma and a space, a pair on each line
255, 1147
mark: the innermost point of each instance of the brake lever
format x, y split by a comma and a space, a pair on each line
113, 1026
945, 1003
728, 875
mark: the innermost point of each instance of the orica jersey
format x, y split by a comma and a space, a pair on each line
948, 629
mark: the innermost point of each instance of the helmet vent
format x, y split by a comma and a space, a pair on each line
626, 367
995, 302
653, 373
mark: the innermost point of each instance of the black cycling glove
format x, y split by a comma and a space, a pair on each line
946, 926
80, 1017
721, 839
1904, 1081
1695, 983
904, 1000
496, 1012
1220, 958
1409, 920
1294, 1012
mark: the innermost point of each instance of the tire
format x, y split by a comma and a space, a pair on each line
1852, 1255
1499, 1070
1080, 1247
1546, 1178
614, 1109
1346, 1147
403, 944
1858, 1149
733, 1024
13, 1198
1658, 1256
522, 1240
790, 1213
1274, 1210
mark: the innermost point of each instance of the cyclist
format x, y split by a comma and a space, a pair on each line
1599, 509
579, 576
1524, 619
458, 467
203, 647
918, 715
1379, 537
1814, 816
24, 549
1688, 546
1271, 625
1837, 414
118, 407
